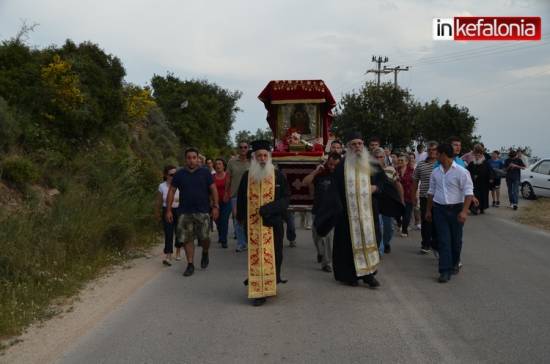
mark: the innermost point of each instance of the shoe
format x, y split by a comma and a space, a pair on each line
167, 263
436, 253
319, 258
307, 227
494, 204
444, 278
327, 269
178, 258
456, 269
204, 260
404, 235
498, 204
371, 281
245, 282
224, 245
515, 207
258, 301
282, 281
292, 244
387, 249
418, 227
234, 237
424, 251
240, 249
189, 270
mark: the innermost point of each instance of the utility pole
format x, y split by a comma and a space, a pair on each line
395, 70
379, 60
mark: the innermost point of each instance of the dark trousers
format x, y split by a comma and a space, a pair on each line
222, 223
170, 232
449, 235
427, 228
406, 217
290, 226
278, 235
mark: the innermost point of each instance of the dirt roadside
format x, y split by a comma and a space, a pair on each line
44, 342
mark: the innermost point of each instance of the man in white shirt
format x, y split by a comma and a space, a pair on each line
451, 192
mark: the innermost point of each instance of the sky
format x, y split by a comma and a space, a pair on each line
243, 44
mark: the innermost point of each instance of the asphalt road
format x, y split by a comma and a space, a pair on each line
496, 310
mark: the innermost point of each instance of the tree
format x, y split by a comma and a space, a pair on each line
383, 111
440, 122
200, 113
247, 136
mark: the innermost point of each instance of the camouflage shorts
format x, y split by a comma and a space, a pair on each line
193, 226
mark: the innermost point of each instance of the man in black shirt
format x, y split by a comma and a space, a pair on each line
321, 180
513, 166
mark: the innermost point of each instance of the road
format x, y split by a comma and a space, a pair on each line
496, 310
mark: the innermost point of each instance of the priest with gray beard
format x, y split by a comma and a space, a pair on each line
359, 191
262, 203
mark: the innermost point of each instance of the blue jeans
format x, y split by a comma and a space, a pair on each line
386, 226
513, 190
223, 221
449, 235
239, 229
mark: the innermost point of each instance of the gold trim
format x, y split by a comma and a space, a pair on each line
302, 101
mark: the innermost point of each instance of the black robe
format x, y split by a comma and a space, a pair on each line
273, 214
334, 214
481, 174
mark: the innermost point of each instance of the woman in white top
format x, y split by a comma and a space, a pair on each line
169, 228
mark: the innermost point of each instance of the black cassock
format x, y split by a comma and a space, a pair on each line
333, 213
481, 175
273, 214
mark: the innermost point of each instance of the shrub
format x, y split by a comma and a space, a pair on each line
19, 171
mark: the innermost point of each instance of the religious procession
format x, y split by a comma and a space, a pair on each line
349, 190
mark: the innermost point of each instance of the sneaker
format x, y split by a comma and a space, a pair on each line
167, 263
319, 258
204, 260
515, 207
444, 278
178, 258
387, 249
189, 270
327, 269
292, 244
424, 251
371, 281
404, 235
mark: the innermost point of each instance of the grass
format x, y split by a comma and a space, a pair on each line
47, 255
536, 214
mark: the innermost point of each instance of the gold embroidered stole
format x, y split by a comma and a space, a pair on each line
361, 222
262, 278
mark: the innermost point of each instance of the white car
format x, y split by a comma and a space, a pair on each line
535, 180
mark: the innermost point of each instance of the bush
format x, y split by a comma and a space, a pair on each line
19, 171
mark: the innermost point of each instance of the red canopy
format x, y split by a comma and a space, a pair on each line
298, 91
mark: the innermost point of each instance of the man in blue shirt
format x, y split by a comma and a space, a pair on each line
497, 165
196, 190
456, 144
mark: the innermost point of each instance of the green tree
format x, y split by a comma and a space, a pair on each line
200, 113
434, 121
247, 136
383, 111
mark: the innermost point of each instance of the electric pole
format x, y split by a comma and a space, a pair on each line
395, 70
379, 60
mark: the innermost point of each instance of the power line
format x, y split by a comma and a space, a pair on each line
395, 70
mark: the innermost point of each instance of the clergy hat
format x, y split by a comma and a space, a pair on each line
261, 144
353, 135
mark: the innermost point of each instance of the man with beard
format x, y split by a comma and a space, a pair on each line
482, 176
358, 188
262, 203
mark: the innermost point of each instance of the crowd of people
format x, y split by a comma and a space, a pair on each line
361, 194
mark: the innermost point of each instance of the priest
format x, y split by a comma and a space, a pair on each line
359, 191
262, 203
